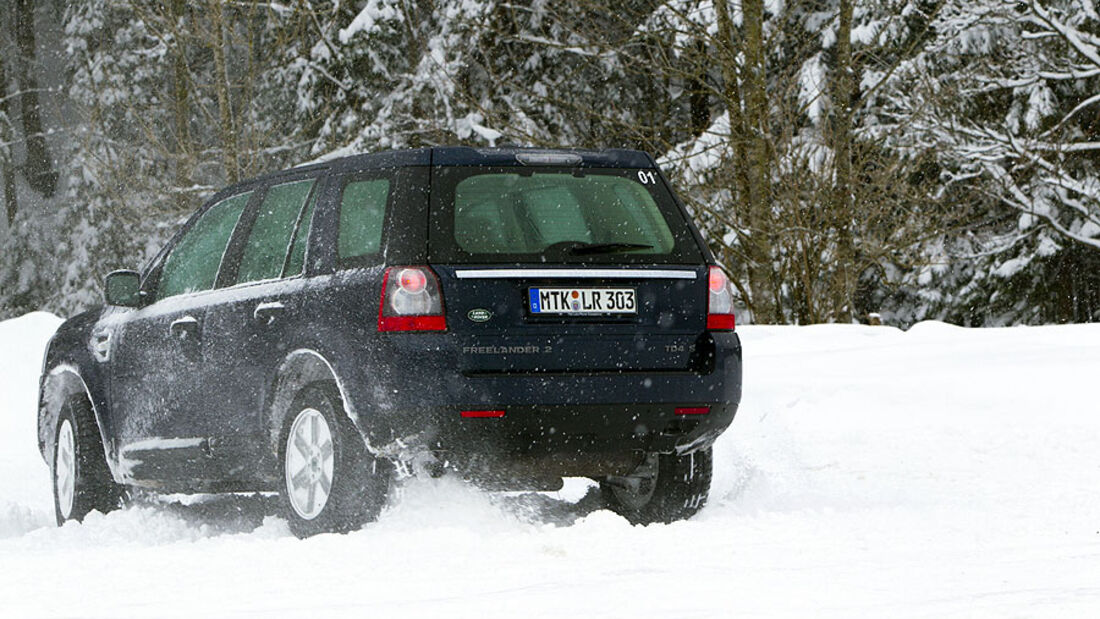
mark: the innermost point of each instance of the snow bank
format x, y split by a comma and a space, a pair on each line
870, 472
25, 499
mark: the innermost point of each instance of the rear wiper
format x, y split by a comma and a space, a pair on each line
607, 248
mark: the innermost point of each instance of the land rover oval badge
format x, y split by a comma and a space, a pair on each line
479, 314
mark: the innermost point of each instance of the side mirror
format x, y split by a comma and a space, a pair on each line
123, 288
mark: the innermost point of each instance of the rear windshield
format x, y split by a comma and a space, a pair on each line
492, 215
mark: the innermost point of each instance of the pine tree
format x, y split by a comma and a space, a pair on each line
1004, 96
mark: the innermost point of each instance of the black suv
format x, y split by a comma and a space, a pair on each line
514, 315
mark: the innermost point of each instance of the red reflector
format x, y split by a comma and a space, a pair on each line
479, 414
697, 410
724, 322
412, 323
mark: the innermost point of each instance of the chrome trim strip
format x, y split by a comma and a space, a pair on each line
574, 274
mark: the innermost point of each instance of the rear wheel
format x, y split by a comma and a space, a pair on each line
330, 482
664, 488
81, 480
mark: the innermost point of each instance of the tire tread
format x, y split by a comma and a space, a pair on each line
681, 490
94, 487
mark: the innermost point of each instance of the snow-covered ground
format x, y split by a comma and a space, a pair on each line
871, 472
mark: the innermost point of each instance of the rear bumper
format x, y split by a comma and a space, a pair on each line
574, 423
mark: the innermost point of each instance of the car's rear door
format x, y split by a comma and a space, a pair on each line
259, 312
552, 269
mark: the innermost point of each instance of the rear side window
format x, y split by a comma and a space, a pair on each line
362, 212
562, 215
193, 263
269, 239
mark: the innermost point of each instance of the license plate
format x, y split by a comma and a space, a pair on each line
582, 301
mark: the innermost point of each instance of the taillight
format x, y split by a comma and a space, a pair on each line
482, 414
411, 301
720, 301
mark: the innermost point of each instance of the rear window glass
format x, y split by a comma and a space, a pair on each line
516, 214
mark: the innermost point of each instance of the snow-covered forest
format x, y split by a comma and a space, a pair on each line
914, 158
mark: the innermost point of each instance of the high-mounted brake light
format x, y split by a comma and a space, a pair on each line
720, 302
411, 300
543, 158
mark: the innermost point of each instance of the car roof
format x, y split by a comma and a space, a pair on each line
497, 156
463, 156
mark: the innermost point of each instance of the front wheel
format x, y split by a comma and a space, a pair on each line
330, 482
81, 480
664, 488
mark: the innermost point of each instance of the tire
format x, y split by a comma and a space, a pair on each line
664, 488
82, 482
330, 484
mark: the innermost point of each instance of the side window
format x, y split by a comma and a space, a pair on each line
193, 263
270, 236
362, 210
297, 257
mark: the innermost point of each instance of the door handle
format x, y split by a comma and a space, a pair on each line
267, 313
185, 328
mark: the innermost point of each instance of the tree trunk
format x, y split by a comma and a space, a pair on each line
38, 168
847, 269
698, 99
180, 104
747, 102
230, 154
11, 200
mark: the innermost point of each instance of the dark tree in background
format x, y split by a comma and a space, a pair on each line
7, 137
38, 166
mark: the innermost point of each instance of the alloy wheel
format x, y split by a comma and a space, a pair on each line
65, 468
309, 463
